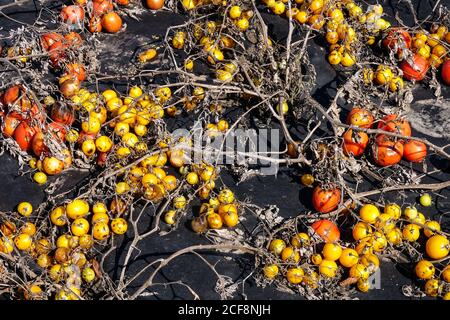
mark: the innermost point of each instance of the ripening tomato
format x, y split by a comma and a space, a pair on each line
38, 144
387, 152
326, 200
392, 123
445, 72
360, 117
355, 142
11, 95
392, 39
72, 14
112, 22
327, 230
418, 70
24, 135
415, 151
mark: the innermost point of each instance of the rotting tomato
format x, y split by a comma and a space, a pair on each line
57, 130
48, 39
392, 39
56, 53
77, 70
24, 134
327, 230
387, 152
38, 144
62, 114
418, 70
326, 200
11, 95
392, 123
415, 151
72, 14
355, 142
95, 24
72, 39
360, 117
10, 123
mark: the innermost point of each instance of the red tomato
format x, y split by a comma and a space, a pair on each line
327, 230
326, 200
101, 158
95, 24
387, 152
396, 34
24, 135
418, 70
415, 151
355, 142
360, 117
72, 14
391, 123
11, 95
50, 38
73, 39
445, 72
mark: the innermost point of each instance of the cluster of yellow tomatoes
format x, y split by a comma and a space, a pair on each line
65, 259
300, 262
317, 265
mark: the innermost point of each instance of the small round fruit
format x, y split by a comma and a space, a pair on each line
214, 221
100, 231
79, 227
25, 209
411, 232
77, 208
295, 275
226, 196
289, 254
433, 287
316, 259
361, 231
332, 251
88, 274
169, 217
425, 200
349, 257
393, 210
437, 247
307, 179
58, 216
301, 240
425, 270
369, 213
276, 246
179, 202
192, 178
40, 178
23, 241
328, 268
359, 271
271, 271
119, 226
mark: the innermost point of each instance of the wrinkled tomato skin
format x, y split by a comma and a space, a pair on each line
420, 63
49, 39
391, 39
57, 130
386, 151
355, 142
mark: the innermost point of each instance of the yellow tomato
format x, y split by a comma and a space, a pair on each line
437, 247
295, 275
393, 210
349, 257
424, 270
271, 271
276, 246
411, 232
431, 228
289, 254
77, 208
369, 213
100, 231
79, 227
119, 225
361, 231
332, 251
25, 209
328, 268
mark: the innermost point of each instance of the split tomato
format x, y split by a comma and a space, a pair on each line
101, 7
387, 152
327, 230
57, 130
77, 70
392, 39
417, 70
415, 151
355, 142
48, 39
326, 200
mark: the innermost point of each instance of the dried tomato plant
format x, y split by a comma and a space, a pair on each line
151, 137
